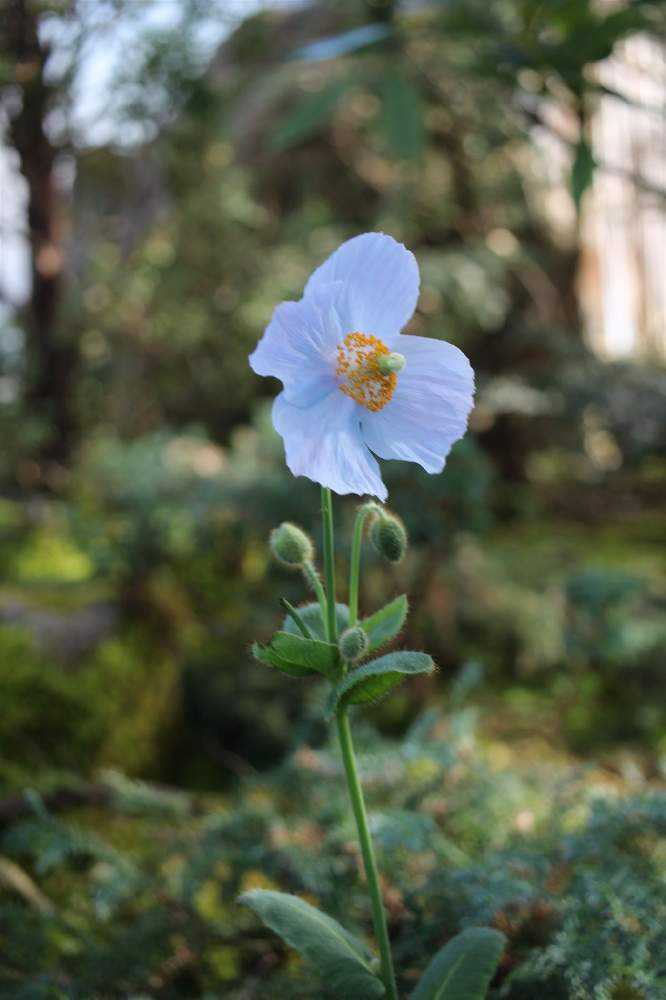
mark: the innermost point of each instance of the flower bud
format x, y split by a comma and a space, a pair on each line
291, 546
353, 643
389, 537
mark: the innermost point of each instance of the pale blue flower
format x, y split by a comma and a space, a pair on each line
353, 383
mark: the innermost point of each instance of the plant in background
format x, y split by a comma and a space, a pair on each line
353, 383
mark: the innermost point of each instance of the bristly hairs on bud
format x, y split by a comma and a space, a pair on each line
388, 536
369, 508
291, 546
353, 643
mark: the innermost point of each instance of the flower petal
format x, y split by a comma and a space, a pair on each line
382, 279
323, 442
300, 340
429, 409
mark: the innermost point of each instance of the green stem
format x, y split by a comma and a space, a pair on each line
355, 566
347, 749
371, 873
329, 563
312, 577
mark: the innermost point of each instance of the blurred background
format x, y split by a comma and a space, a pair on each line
169, 171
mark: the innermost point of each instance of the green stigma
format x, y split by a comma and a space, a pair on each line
392, 362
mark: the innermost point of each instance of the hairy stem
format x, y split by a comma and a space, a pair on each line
355, 565
312, 577
351, 772
369, 863
329, 563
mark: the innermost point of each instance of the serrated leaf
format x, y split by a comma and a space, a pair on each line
309, 116
385, 624
582, 172
375, 679
463, 968
402, 117
298, 656
340, 958
311, 615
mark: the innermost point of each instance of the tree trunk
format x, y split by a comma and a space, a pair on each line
51, 356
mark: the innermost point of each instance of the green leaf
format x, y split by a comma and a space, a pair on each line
374, 680
402, 117
463, 968
385, 624
343, 961
311, 615
266, 655
298, 656
341, 45
309, 116
582, 172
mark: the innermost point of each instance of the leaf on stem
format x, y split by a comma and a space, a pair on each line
374, 680
402, 117
385, 624
268, 656
343, 961
463, 968
309, 117
582, 172
311, 615
297, 656
341, 45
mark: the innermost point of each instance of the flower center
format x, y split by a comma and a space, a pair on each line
365, 370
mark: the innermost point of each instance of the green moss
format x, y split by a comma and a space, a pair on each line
46, 723
50, 555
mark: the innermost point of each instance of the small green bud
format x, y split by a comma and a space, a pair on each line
392, 362
389, 537
353, 643
291, 546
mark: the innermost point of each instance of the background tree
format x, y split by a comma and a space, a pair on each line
28, 99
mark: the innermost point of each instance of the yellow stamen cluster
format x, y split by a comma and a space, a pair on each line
362, 379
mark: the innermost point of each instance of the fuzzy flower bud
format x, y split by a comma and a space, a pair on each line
389, 537
353, 643
291, 546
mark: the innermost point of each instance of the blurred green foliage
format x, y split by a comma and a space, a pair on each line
139, 897
114, 705
171, 533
